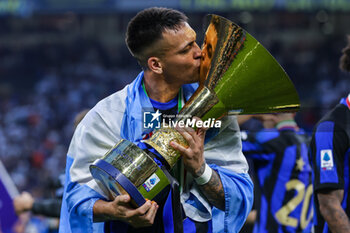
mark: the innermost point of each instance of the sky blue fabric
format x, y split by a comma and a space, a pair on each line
238, 189
74, 219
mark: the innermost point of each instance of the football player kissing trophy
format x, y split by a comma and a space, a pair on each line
238, 76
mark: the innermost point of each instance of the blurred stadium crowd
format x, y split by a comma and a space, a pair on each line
53, 66
36, 127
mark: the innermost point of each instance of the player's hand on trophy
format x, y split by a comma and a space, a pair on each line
140, 217
193, 155
120, 209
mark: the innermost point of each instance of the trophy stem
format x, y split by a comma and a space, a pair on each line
198, 105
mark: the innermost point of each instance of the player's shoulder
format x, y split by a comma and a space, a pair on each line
113, 102
107, 111
339, 116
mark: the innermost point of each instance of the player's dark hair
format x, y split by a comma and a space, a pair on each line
146, 28
345, 58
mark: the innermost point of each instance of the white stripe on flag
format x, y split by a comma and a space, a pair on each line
7, 181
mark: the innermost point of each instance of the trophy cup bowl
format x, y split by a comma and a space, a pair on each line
238, 76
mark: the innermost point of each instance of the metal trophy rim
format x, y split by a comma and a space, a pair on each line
118, 177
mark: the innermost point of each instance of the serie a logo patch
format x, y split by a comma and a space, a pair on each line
151, 182
327, 160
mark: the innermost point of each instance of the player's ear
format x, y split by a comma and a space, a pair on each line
155, 65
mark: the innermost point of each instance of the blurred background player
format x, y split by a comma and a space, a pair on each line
330, 155
282, 174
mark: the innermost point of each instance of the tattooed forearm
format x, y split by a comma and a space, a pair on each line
332, 211
200, 171
214, 191
336, 218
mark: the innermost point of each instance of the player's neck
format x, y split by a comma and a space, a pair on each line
159, 90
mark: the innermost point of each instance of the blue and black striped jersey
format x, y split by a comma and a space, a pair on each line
330, 152
284, 175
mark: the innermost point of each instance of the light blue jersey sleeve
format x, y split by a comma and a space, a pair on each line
239, 194
224, 154
77, 207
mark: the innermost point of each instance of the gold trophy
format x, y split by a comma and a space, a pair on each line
238, 76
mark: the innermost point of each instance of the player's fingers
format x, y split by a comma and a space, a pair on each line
187, 133
142, 209
122, 199
200, 130
151, 214
178, 147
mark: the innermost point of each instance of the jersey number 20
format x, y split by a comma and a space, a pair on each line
282, 214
